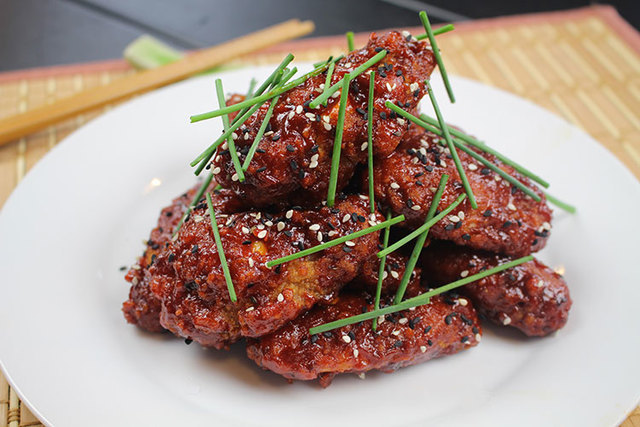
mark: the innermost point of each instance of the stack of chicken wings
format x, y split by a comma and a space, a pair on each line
178, 284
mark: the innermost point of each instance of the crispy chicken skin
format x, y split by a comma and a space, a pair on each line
143, 308
530, 297
506, 221
188, 279
403, 339
394, 271
293, 159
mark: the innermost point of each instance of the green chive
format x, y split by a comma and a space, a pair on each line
483, 147
259, 99
452, 148
352, 75
383, 261
225, 124
196, 198
418, 231
559, 203
327, 81
258, 138
436, 52
350, 45
223, 259
252, 86
337, 241
437, 31
372, 78
421, 299
417, 249
337, 142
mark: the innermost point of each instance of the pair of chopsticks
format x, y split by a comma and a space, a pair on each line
19, 125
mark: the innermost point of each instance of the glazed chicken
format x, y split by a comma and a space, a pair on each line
402, 339
506, 221
293, 159
188, 278
530, 297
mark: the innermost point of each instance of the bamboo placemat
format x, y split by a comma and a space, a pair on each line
583, 64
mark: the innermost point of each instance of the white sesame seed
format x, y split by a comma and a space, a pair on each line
506, 320
268, 133
395, 185
135, 281
289, 214
346, 217
346, 338
363, 197
136, 266
313, 165
280, 297
321, 86
461, 215
280, 226
246, 136
388, 87
349, 243
412, 308
373, 223
327, 126
310, 116
314, 227
511, 206
463, 302
262, 234
394, 274
416, 207
229, 222
315, 158
325, 119
454, 218
260, 226
478, 337
234, 136
250, 309
381, 319
472, 167
414, 87
423, 348
299, 109
385, 275
443, 164
498, 178
403, 321
251, 262
401, 121
225, 146
539, 284
337, 94
464, 273
234, 177
347, 65
332, 233
396, 332
414, 160
217, 170
268, 223
546, 226
197, 218
245, 230
319, 236
355, 352
361, 375
291, 114
364, 146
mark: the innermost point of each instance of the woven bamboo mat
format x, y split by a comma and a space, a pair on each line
584, 65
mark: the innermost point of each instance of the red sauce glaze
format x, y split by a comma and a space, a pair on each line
402, 339
188, 276
394, 272
506, 221
530, 297
293, 160
143, 308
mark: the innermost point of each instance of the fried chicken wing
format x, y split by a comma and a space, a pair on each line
530, 297
293, 159
188, 278
394, 269
402, 339
506, 221
143, 308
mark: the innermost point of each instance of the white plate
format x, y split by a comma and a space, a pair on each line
81, 213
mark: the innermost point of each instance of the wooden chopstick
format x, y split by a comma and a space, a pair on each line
22, 124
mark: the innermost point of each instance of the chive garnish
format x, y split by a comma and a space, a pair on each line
225, 124
436, 52
417, 249
418, 231
352, 75
223, 259
337, 142
383, 261
258, 138
252, 86
372, 77
421, 299
196, 198
350, 45
437, 31
259, 99
559, 203
327, 81
484, 147
337, 241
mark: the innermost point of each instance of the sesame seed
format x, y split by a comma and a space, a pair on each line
395, 185
311, 116
245, 230
464, 273
414, 86
313, 165
396, 332
349, 243
315, 157
250, 309
289, 214
546, 226
314, 227
401, 121
346, 338
403, 321
299, 109
280, 226
511, 206
337, 94
385, 275
364, 146
234, 136
461, 215
251, 262
319, 236
327, 126
463, 302
506, 320
539, 284
234, 177
394, 274
280, 297
381, 319
388, 87
262, 234
416, 207
454, 218
423, 348
332, 233
472, 167
361, 375
217, 170
346, 217
478, 337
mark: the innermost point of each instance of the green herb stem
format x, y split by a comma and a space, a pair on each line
383, 261
372, 202
223, 259
417, 249
203, 187
337, 142
436, 52
419, 300
252, 86
437, 31
337, 241
350, 45
327, 81
258, 138
418, 231
559, 203
225, 124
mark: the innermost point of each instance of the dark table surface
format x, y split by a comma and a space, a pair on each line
36, 33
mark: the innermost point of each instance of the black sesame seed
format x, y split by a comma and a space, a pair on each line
427, 329
383, 115
449, 318
352, 335
412, 322
458, 225
291, 148
314, 338
398, 73
260, 150
507, 224
347, 249
361, 111
429, 168
378, 49
464, 339
475, 330
278, 268
327, 334
448, 227
416, 93
361, 218
123, 268
429, 343
466, 237
488, 212
246, 242
171, 257
409, 203
485, 171
315, 148
169, 214
397, 344
294, 165
191, 285
288, 233
261, 169
301, 174
188, 341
